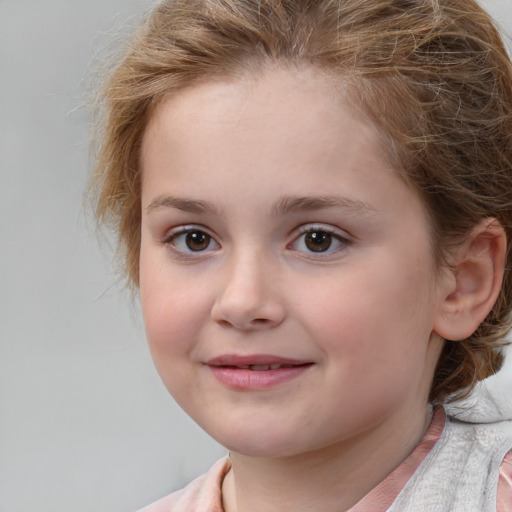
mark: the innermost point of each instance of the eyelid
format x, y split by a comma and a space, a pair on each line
182, 228
175, 232
341, 235
318, 226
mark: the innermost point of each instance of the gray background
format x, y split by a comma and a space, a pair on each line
85, 424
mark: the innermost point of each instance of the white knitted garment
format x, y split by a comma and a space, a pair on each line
461, 472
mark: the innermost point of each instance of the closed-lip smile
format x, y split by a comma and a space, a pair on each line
255, 372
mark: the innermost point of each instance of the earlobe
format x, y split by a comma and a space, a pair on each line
475, 279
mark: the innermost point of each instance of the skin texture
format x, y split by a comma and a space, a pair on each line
229, 159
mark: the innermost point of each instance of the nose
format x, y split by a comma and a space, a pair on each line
248, 298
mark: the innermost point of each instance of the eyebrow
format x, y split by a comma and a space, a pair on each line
307, 203
183, 204
282, 207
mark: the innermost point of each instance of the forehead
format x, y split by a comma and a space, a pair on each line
303, 110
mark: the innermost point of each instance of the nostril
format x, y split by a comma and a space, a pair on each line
255, 323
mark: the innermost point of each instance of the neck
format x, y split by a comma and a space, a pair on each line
332, 479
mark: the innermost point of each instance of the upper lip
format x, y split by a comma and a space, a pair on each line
256, 359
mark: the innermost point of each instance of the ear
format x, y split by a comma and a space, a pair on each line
473, 281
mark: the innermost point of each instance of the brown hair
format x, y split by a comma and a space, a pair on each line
433, 75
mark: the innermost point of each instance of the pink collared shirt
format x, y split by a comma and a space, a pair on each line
204, 493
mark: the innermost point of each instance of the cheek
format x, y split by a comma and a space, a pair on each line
170, 325
372, 320
169, 318
170, 312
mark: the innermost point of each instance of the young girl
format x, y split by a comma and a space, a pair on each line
314, 199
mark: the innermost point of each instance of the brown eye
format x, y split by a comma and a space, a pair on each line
187, 240
197, 240
318, 241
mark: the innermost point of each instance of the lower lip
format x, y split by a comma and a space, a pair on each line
247, 380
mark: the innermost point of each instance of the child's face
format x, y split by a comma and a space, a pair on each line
274, 232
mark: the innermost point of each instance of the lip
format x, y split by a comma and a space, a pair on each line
235, 372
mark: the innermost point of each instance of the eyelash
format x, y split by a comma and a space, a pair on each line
173, 241
334, 236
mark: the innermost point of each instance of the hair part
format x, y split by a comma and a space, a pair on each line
433, 75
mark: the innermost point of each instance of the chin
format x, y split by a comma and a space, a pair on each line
258, 443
